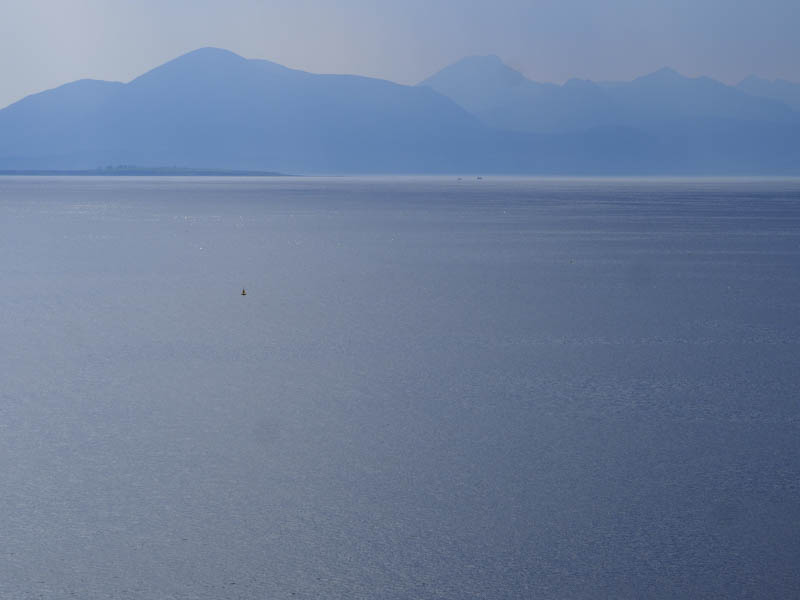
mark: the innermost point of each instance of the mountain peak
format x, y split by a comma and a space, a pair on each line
663, 75
483, 59
196, 64
207, 52
207, 56
489, 68
488, 62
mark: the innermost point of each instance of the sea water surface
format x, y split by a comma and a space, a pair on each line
505, 388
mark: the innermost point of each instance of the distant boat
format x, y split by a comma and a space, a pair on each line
243, 292
479, 177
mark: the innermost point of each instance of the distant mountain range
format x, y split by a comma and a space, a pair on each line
779, 89
213, 109
503, 98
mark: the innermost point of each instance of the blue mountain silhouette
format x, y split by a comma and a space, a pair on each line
214, 109
778, 89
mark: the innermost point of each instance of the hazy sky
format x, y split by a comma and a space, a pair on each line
44, 43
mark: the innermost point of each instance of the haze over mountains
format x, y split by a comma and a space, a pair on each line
211, 108
503, 98
779, 89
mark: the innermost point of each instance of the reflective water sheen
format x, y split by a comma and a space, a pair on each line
433, 389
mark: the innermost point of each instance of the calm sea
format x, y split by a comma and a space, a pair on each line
505, 388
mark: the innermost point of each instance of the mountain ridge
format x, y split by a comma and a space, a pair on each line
515, 102
211, 108
777, 89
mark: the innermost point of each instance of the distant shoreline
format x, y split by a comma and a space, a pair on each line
188, 172
142, 172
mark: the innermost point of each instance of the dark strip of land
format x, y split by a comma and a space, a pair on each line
143, 171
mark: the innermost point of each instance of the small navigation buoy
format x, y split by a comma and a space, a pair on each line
243, 292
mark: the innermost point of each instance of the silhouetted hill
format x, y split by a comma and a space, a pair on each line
682, 124
666, 96
501, 97
504, 98
213, 109
134, 171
